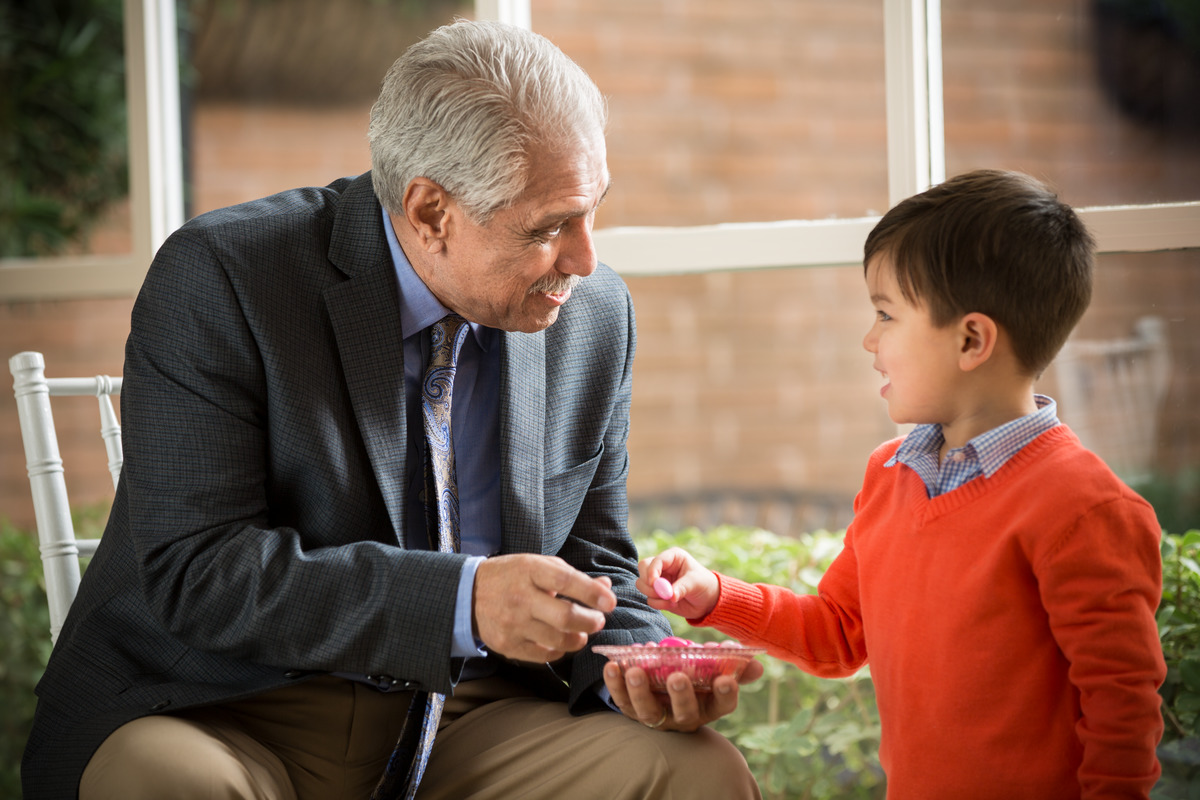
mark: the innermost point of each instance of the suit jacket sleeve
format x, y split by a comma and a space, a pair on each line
255, 502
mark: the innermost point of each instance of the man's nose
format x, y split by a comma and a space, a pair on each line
577, 255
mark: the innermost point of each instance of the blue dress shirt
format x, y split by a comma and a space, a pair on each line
475, 421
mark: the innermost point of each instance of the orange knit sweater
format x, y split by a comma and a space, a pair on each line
1009, 625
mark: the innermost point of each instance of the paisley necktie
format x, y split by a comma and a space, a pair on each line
407, 763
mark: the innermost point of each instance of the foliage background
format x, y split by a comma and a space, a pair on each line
1179, 630
63, 156
24, 647
810, 738
804, 738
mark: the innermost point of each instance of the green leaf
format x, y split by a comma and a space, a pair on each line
1189, 671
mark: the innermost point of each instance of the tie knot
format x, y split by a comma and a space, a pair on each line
446, 338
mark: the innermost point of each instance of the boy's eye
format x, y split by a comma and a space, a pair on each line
882, 316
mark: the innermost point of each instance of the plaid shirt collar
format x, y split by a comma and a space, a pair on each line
981, 455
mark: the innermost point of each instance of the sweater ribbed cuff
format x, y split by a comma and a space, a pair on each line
739, 608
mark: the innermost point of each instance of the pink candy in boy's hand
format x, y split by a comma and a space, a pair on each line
663, 588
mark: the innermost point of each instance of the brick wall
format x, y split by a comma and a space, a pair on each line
757, 110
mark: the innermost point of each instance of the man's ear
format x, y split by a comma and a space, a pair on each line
427, 210
978, 335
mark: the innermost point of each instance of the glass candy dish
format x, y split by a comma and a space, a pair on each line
700, 662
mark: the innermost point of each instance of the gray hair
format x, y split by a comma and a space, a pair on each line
464, 106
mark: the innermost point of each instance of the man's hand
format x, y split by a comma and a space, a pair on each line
538, 608
683, 709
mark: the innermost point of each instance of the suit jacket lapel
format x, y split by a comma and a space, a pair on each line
522, 441
364, 311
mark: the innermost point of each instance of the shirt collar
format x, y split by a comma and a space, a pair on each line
418, 307
991, 449
997, 446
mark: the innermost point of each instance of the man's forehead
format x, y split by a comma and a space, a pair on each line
547, 207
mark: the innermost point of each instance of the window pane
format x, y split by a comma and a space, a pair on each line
279, 91
1098, 97
64, 161
752, 387
1127, 380
752, 390
734, 112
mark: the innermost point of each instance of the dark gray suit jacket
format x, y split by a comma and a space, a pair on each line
257, 533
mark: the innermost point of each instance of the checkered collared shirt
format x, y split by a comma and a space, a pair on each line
982, 455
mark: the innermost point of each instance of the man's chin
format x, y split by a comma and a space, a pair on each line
545, 321
530, 323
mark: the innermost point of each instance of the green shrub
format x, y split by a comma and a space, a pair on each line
25, 634
799, 731
1176, 497
803, 737
1179, 630
24, 647
63, 157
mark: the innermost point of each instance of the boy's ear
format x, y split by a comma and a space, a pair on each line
978, 336
427, 209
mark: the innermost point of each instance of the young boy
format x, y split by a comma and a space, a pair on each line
998, 578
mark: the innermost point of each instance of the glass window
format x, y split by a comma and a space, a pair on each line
1097, 97
278, 93
63, 165
734, 112
1127, 379
753, 386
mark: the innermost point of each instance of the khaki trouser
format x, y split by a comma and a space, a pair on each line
329, 738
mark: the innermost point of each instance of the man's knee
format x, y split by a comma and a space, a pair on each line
165, 756
701, 764
638, 762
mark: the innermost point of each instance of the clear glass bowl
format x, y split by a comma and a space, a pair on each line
701, 664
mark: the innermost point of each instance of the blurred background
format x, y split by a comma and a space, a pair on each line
755, 111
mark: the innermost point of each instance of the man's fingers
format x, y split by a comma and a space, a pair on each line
568, 615
530, 607
554, 576
722, 700
537, 642
615, 682
644, 705
753, 671
685, 706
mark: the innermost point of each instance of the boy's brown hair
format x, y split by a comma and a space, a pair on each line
998, 243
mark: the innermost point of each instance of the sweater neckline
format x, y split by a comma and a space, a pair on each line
1046, 442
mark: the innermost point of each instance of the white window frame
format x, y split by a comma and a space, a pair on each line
155, 172
916, 160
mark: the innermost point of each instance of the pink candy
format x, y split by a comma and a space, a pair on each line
675, 641
663, 588
699, 663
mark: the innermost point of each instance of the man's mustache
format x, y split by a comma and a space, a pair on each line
554, 284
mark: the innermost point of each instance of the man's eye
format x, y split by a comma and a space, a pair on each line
546, 234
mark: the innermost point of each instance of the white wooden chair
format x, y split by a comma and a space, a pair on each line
60, 549
1111, 393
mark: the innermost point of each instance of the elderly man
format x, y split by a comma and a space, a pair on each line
372, 516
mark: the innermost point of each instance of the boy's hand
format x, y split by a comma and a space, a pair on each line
692, 591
